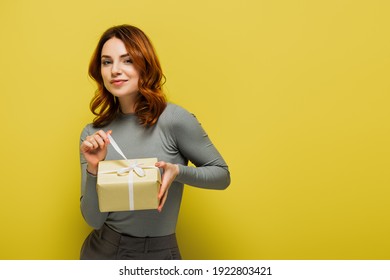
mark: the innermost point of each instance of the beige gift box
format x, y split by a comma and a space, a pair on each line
120, 188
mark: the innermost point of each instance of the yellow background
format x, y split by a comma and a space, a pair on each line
295, 95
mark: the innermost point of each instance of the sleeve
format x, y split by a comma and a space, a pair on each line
211, 171
89, 203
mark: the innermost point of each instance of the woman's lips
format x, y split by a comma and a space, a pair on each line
118, 82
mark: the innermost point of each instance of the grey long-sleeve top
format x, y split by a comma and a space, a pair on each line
177, 138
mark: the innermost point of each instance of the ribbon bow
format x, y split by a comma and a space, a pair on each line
136, 167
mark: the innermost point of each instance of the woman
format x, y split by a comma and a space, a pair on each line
130, 105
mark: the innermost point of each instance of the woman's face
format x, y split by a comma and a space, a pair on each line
119, 74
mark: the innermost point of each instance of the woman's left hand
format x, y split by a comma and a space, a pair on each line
169, 175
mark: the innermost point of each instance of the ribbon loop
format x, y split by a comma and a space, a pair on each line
139, 171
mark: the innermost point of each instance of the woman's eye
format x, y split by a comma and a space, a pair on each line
128, 61
106, 62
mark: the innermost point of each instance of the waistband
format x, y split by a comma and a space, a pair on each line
139, 244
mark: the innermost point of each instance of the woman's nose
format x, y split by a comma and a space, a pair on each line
116, 69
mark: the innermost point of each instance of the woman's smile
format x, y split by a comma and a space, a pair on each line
118, 82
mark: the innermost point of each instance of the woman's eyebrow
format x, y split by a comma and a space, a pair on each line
122, 56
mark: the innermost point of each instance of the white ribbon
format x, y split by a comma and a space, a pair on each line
133, 167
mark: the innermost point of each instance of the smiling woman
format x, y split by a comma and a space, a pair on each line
120, 77
130, 105
133, 50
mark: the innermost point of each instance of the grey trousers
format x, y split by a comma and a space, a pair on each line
107, 244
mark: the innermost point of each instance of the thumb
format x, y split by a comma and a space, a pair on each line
160, 164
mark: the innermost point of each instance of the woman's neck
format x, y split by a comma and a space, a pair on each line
127, 105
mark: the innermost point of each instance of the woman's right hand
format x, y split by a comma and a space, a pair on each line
94, 149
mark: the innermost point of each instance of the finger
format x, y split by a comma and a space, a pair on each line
166, 178
92, 141
162, 202
160, 164
163, 189
85, 146
104, 135
99, 140
165, 184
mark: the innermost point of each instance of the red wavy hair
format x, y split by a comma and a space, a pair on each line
151, 100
